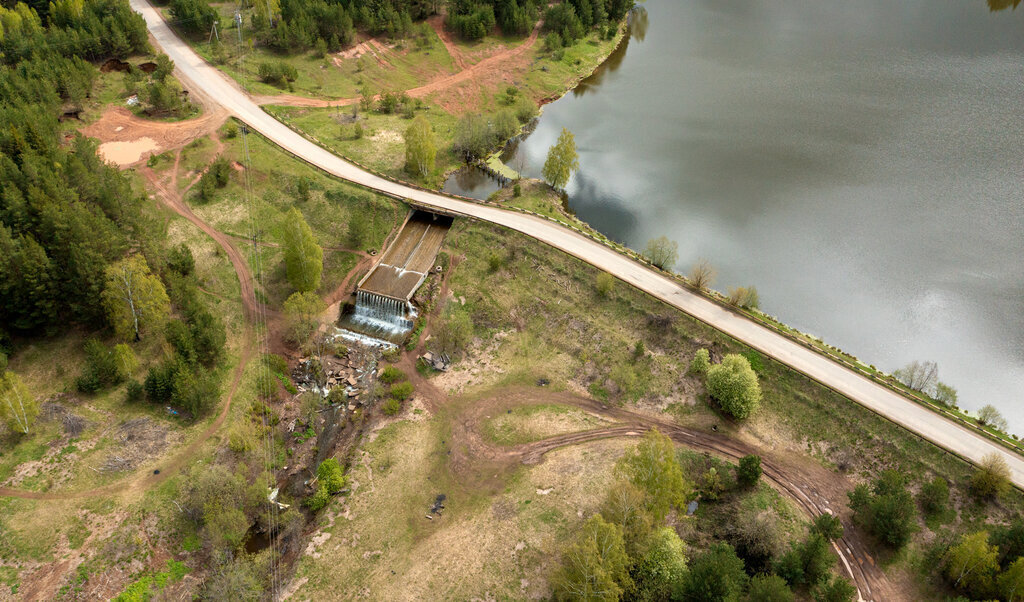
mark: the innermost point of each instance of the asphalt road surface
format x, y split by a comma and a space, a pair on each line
218, 88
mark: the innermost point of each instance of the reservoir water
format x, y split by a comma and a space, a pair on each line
860, 162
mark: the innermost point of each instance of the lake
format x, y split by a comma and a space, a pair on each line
860, 162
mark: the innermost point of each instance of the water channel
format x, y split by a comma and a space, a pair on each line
860, 162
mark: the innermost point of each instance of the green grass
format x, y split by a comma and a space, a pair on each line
407, 67
382, 145
524, 424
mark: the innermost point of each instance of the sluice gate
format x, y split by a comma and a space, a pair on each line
383, 306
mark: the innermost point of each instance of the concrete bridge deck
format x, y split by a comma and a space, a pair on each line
405, 264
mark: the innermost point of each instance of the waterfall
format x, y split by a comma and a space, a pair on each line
381, 314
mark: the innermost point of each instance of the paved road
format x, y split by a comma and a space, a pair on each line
209, 81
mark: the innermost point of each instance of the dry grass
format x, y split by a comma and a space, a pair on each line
533, 423
381, 546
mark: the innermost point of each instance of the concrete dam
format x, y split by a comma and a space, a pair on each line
384, 296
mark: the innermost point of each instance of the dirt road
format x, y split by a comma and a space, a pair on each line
871, 395
487, 71
812, 487
173, 200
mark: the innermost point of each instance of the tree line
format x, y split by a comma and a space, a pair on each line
76, 245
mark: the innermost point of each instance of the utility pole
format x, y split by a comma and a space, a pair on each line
213, 33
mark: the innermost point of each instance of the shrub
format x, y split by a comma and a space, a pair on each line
391, 406
886, 510
604, 284
134, 392
733, 384
662, 252
331, 476
552, 42
701, 361
992, 478
401, 391
517, 191
390, 375
278, 74
749, 471
180, 259
934, 497
101, 368
525, 109
318, 500
828, 526
745, 297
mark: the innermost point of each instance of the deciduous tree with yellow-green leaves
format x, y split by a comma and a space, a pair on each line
18, 407
562, 161
303, 257
134, 298
420, 147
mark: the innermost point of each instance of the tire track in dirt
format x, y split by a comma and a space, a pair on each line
487, 70
174, 201
815, 489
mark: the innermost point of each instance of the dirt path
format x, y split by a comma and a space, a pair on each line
174, 201
437, 23
487, 71
811, 486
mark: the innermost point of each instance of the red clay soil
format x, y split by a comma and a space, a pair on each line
495, 68
119, 125
811, 486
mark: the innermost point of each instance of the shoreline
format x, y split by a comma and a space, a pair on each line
1007, 440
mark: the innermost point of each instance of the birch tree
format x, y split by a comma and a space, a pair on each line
134, 298
420, 147
18, 407
972, 562
303, 258
562, 161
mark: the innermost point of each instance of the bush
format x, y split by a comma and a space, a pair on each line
836, 589
662, 252
277, 74
992, 478
828, 526
101, 368
134, 392
934, 497
604, 284
886, 510
454, 331
733, 384
768, 588
745, 297
391, 406
717, 574
331, 476
318, 500
701, 361
180, 259
401, 391
517, 191
390, 375
525, 109
749, 471
552, 42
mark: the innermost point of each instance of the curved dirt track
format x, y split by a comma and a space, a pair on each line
174, 201
192, 69
487, 70
812, 487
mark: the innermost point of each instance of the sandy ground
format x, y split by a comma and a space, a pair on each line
127, 140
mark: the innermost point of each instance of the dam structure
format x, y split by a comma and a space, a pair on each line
383, 305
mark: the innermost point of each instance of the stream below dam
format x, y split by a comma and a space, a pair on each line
861, 163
